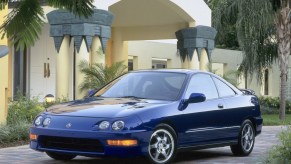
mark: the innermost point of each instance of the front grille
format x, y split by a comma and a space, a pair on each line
71, 144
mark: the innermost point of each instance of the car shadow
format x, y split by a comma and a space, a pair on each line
181, 157
201, 155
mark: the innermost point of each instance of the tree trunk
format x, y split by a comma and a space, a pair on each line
283, 96
283, 25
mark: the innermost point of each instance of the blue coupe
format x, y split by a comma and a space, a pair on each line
154, 114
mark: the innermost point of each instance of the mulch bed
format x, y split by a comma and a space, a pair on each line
13, 144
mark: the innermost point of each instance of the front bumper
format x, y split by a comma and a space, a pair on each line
259, 125
142, 136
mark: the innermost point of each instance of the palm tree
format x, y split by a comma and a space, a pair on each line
97, 75
263, 32
283, 26
24, 23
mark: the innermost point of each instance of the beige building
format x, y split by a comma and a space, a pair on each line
46, 68
271, 80
142, 35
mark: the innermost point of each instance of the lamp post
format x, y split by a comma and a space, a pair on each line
49, 98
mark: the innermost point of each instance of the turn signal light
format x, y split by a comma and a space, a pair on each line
122, 142
32, 136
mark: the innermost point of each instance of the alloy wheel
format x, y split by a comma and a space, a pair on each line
161, 146
247, 137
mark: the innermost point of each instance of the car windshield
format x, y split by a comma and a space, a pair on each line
145, 85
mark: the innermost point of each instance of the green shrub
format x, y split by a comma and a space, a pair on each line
23, 109
271, 105
281, 153
19, 131
21, 113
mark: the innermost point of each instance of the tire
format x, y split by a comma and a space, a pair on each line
58, 156
246, 140
162, 147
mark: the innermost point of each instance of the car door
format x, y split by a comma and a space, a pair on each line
203, 122
234, 111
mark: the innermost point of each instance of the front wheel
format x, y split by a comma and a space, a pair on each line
246, 140
163, 145
58, 156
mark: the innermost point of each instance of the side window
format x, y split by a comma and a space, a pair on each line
202, 83
223, 89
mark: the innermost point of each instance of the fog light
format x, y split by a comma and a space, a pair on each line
122, 142
33, 137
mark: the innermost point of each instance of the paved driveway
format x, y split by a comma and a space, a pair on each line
22, 154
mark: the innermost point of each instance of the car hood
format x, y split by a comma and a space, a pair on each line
104, 107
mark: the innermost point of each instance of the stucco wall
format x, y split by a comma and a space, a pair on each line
232, 60
146, 50
197, 9
3, 86
4, 75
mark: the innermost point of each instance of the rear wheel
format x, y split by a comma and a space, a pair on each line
58, 156
246, 140
163, 145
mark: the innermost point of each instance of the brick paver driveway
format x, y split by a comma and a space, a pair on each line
22, 154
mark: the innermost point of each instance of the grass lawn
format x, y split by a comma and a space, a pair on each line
273, 120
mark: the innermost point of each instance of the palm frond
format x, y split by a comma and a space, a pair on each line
255, 31
78, 7
23, 25
97, 75
3, 4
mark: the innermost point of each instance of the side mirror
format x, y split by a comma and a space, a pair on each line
196, 98
91, 92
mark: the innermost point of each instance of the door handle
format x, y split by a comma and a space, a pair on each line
44, 70
48, 70
220, 106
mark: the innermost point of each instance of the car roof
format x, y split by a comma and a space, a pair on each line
187, 71
190, 72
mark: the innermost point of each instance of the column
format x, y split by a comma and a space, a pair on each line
185, 64
97, 54
119, 47
194, 63
82, 55
108, 54
63, 69
204, 62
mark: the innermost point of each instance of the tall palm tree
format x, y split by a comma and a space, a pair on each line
24, 23
283, 28
263, 31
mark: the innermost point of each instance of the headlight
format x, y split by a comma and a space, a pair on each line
104, 125
38, 120
118, 125
46, 121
